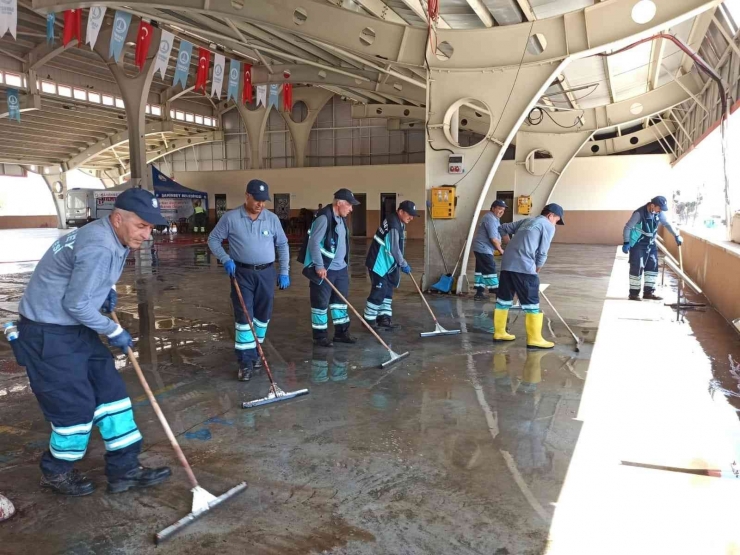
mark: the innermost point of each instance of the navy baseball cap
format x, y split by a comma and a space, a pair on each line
498, 204
346, 194
409, 207
557, 210
142, 203
660, 202
259, 190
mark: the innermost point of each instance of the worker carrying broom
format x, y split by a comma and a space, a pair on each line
253, 234
325, 255
385, 262
524, 257
639, 241
72, 374
487, 241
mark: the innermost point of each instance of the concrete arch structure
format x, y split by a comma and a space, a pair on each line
624, 143
314, 99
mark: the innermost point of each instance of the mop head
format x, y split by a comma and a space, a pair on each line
275, 396
439, 330
395, 357
202, 503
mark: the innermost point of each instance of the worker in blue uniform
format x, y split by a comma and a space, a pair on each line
254, 234
385, 261
486, 243
72, 374
520, 267
325, 256
639, 241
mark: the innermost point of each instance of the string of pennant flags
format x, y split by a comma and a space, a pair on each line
239, 73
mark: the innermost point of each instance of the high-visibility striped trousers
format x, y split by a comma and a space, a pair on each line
643, 261
76, 383
258, 290
325, 300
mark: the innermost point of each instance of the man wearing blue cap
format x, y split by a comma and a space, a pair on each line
71, 372
524, 257
487, 241
253, 234
325, 256
385, 262
639, 241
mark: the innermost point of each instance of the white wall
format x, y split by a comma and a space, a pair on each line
25, 196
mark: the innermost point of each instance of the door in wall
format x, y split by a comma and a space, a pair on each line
282, 207
359, 216
508, 198
387, 204
220, 206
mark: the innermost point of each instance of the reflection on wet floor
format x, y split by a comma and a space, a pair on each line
461, 448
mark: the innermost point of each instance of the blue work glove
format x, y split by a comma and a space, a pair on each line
679, 240
406, 269
626, 248
110, 302
230, 267
122, 340
283, 281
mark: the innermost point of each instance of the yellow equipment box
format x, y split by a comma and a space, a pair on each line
524, 205
443, 203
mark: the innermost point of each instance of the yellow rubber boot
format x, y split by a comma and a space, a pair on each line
499, 326
533, 324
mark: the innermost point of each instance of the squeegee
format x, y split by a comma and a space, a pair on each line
395, 357
203, 501
276, 394
438, 329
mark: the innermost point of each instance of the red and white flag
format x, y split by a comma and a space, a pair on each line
204, 63
247, 93
143, 42
287, 97
72, 26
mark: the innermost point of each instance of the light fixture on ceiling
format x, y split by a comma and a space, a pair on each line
643, 12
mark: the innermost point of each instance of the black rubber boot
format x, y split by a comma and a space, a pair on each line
257, 364
323, 342
651, 296
344, 338
140, 477
634, 297
245, 371
479, 295
385, 323
72, 483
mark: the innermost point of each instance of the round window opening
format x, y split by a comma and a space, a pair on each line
462, 126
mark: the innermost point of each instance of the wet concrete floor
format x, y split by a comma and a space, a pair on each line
463, 447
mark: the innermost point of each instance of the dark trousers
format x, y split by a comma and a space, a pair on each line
643, 260
380, 299
323, 299
258, 289
524, 286
76, 384
199, 222
485, 272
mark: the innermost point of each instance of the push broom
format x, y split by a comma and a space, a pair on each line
438, 329
276, 394
203, 501
395, 357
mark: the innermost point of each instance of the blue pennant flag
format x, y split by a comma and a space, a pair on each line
234, 73
14, 105
273, 98
183, 63
120, 29
51, 19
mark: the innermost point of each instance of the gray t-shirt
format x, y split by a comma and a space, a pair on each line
318, 231
250, 241
74, 277
529, 244
487, 230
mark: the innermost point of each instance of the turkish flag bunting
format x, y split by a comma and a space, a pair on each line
288, 97
247, 90
204, 63
143, 41
72, 26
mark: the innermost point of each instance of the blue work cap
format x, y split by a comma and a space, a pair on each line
346, 195
498, 203
661, 203
557, 210
142, 203
259, 190
409, 207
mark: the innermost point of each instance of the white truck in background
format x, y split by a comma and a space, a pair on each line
85, 205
